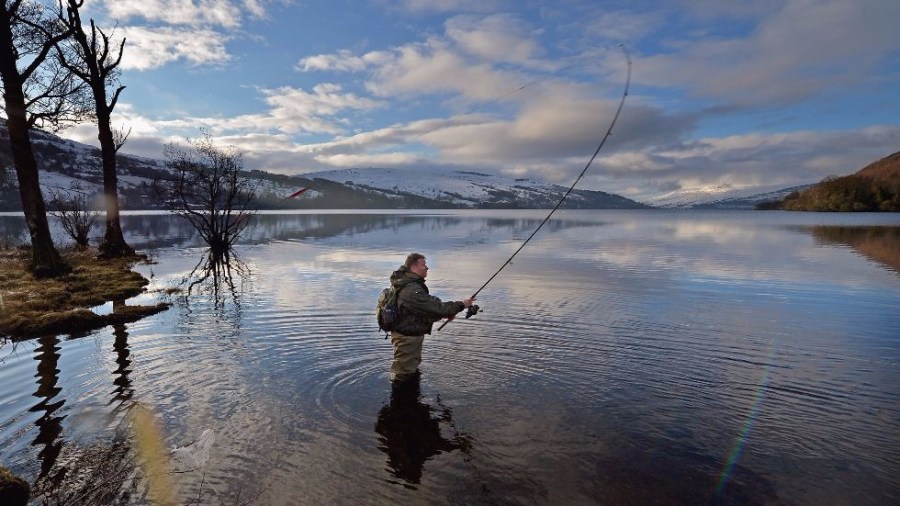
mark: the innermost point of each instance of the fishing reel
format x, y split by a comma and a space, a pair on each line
472, 310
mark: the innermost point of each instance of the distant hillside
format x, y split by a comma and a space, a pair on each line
754, 201
875, 187
886, 169
64, 163
408, 188
725, 197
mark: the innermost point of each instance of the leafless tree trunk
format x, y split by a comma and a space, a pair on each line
97, 66
37, 94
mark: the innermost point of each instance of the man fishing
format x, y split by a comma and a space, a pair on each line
418, 312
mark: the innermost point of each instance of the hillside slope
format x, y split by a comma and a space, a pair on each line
886, 169
875, 187
66, 163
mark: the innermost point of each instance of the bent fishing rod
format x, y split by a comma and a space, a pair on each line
561, 200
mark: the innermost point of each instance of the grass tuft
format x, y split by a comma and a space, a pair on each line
31, 307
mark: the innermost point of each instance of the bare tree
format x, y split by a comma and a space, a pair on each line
74, 213
96, 64
39, 93
209, 189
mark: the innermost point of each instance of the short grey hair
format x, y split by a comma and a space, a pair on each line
412, 259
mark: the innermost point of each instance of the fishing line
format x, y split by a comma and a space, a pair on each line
583, 171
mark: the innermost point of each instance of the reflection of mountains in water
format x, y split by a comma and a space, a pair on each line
166, 231
317, 226
881, 244
163, 230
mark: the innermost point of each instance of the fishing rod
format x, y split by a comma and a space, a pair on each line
561, 200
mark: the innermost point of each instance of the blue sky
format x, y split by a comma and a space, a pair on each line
765, 94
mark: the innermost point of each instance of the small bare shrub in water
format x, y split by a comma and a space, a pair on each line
74, 213
209, 189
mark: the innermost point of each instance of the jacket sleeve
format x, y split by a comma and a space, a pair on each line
419, 302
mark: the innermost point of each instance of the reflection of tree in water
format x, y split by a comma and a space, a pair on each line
72, 473
49, 426
881, 244
410, 434
123, 390
95, 473
216, 274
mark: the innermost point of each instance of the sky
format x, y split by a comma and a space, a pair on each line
764, 94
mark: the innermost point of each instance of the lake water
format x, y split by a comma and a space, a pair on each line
624, 357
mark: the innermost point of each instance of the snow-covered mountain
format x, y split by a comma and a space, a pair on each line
465, 189
722, 197
65, 163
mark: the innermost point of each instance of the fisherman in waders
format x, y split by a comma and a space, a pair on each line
418, 312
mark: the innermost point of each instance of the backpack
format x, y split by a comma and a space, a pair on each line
386, 310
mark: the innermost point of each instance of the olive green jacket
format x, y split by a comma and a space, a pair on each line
418, 309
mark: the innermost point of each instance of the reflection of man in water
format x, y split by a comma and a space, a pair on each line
409, 435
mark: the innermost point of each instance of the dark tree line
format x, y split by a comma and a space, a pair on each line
847, 193
54, 72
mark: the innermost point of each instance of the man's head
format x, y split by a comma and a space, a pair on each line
415, 262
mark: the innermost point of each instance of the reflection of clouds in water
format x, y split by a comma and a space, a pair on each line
295, 270
465, 253
295, 273
346, 259
715, 232
732, 252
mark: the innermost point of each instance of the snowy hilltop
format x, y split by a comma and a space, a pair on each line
721, 197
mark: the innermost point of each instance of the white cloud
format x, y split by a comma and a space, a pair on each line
369, 160
344, 61
124, 118
622, 26
149, 48
191, 30
498, 37
792, 54
291, 111
256, 8
463, 61
223, 13
434, 68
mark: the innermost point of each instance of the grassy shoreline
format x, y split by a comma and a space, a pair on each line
31, 307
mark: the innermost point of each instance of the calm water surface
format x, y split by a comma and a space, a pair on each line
623, 358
